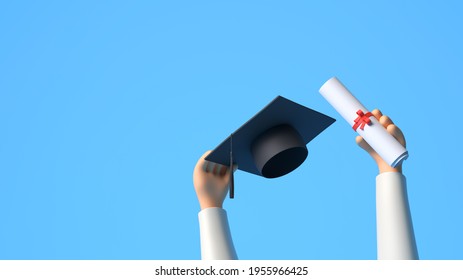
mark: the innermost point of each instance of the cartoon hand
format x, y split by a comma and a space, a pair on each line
394, 131
211, 182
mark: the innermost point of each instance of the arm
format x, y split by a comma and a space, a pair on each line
395, 235
216, 240
211, 184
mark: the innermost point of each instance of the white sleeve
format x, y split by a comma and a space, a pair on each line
216, 240
395, 236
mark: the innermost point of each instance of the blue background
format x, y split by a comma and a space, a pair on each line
105, 107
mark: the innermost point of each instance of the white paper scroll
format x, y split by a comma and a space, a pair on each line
374, 133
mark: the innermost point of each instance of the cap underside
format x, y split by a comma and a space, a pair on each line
280, 112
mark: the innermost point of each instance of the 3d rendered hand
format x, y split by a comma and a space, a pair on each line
394, 131
211, 181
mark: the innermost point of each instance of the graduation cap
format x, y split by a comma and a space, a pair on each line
273, 142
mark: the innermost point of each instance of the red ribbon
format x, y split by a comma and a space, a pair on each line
362, 120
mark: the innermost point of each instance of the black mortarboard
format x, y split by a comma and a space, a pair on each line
273, 142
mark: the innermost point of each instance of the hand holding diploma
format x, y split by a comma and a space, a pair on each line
385, 143
364, 123
394, 130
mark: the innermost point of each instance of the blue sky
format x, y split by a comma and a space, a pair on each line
106, 106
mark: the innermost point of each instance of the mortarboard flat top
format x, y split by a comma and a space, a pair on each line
282, 119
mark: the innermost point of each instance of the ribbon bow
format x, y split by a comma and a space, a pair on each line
362, 120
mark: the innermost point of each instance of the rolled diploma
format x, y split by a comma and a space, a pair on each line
374, 134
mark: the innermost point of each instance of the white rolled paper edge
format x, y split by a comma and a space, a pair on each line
388, 148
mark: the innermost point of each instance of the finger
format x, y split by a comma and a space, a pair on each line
377, 113
215, 168
385, 121
395, 131
219, 169
222, 170
207, 166
204, 164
